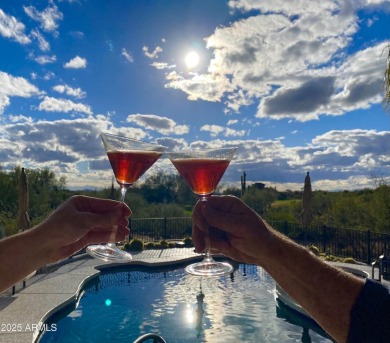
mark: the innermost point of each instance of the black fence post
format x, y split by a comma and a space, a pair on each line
165, 228
368, 242
285, 224
324, 238
131, 231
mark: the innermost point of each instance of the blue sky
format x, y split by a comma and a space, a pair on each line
295, 85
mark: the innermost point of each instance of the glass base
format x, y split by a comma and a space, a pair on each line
209, 267
109, 253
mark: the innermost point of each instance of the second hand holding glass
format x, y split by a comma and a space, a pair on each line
202, 170
129, 159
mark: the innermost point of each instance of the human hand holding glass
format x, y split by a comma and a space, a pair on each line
129, 159
202, 170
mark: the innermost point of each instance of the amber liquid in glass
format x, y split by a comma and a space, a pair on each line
129, 166
202, 175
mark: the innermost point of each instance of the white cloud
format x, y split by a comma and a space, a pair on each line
162, 65
127, 55
335, 156
232, 121
356, 83
11, 28
153, 54
45, 59
234, 133
338, 159
42, 42
216, 130
14, 86
62, 145
4, 102
76, 63
50, 104
281, 6
77, 34
162, 125
48, 18
65, 89
205, 87
48, 76
289, 58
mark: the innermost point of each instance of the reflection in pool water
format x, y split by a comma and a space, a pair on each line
124, 303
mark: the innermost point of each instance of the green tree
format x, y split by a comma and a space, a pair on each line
184, 195
8, 192
285, 210
350, 211
159, 188
321, 205
232, 191
46, 192
379, 208
259, 199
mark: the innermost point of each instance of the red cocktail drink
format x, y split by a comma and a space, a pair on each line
202, 175
129, 166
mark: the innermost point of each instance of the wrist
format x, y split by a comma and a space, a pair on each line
273, 246
42, 250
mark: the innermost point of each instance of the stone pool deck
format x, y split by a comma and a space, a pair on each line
45, 293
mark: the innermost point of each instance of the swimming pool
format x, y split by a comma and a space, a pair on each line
124, 303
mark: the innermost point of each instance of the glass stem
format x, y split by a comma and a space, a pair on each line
123, 191
207, 237
208, 257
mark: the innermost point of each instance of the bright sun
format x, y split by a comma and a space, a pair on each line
192, 59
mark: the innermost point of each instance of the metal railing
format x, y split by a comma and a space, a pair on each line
157, 229
362, 245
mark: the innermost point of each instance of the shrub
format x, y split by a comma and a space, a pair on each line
188, 242
332, 258
164, 244
349, 260
149, 245
314, 250
135, 245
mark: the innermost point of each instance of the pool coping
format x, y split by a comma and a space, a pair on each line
24, 314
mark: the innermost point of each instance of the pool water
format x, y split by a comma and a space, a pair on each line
124, 303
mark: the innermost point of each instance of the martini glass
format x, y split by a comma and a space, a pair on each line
202, 170
129, 159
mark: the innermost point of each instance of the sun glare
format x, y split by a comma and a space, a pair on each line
192, 59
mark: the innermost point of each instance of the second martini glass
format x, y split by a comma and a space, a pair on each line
202, 170
129, 159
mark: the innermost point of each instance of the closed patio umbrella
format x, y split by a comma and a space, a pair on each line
306, 214
23, 220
